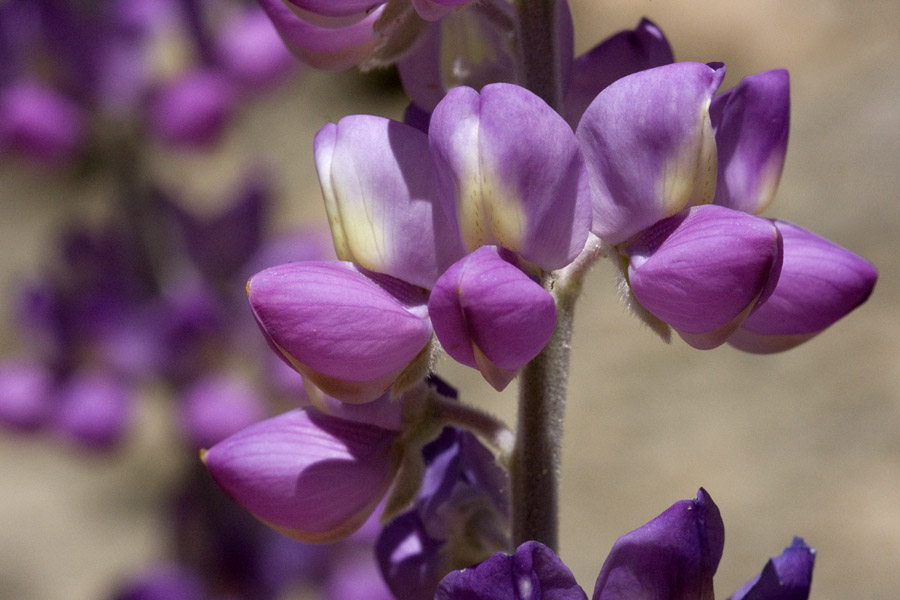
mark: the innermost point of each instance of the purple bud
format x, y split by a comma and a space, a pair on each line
95, 409
820, 282
164, 582
192, 110
335, 40
751, 123
785, 577
703, 270
40, 124
490, 315
26, 394
673, 556
534, 572
350, 335
310, 476
216, 407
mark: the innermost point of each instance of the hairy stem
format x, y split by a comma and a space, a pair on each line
538, 50
542, 401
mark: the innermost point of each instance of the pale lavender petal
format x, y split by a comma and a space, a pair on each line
649, 147
385, 412
751, 124
785, 577
95, 409
347, 333
193, 109
624, 53
411, 561
26, 394
251, 50
673, 556
534, 572
381, 199
433, 10
335, 8
310, 476
820, 283
330, 48
510, 169
216, 407
40, 124
489, 315
702, 270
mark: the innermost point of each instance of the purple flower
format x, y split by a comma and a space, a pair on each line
658, 148
785, 577
26, 394
217, 406
192, 110
310, 476
95, 409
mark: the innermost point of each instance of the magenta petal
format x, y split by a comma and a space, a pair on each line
820, 282
624, 53
312, 477
192, 110
39, 123
335, 48
510, 169
335, 8
489, 315
673, 556
251, 50
751, 123
217, 406
381, 199
346, 333
649, 147
703, 270
95, 409
26, 394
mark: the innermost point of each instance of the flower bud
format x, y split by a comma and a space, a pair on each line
310, 476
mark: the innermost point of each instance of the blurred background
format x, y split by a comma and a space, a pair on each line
803, 443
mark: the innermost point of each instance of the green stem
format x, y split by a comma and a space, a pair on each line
542, 401
538, 50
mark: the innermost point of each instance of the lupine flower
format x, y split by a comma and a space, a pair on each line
705, 270
404, 207
310, 476
673, 557
459, 518
26, 394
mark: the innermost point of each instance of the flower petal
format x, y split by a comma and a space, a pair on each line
785, 577
337, 47
820, 282
509, 168
350, 335
310, 476
26, 394
751, 123
649, 147
622, 54
534, 572
489, 315
702, 270
382, 201
673, 556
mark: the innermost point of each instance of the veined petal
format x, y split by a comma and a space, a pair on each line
751, 124
649, 147
312, 477
334, 48
489, 315
702, 270
622, 54
820, 282
346, 333
534, 572
381, 199
511, 171
785, 577
673, 556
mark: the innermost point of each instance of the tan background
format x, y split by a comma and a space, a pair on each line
803, 443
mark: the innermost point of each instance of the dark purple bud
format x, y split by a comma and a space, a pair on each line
785, 577
673, 557
534, 572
